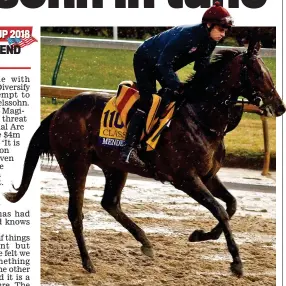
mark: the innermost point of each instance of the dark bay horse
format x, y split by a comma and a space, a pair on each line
188, 155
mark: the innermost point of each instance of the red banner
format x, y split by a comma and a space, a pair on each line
15, 32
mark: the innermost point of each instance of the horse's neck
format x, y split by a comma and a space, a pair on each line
209, 115
212, 110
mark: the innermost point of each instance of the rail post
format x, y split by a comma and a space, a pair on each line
56, 70
266, 163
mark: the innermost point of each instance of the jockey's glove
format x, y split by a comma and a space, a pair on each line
211, 89
181, 88
171, 93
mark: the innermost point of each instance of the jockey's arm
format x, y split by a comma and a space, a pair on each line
165, 64
203, 58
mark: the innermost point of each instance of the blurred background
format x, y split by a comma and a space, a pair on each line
237, 36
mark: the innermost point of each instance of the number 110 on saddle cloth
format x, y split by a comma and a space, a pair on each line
116, 114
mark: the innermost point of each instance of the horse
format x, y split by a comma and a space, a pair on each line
189, 154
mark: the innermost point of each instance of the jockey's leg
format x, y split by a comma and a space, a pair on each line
167, 97
128, 153
146, 83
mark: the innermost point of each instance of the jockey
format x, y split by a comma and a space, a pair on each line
159, 57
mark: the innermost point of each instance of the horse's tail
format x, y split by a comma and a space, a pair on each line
39, 144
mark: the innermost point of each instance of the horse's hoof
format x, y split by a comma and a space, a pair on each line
147, 250
236, 269
88, 266
196, 236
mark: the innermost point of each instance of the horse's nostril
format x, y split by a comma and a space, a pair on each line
281, 109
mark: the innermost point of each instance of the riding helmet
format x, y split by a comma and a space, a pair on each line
218, 15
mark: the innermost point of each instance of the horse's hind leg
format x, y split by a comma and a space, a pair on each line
115, 181
75, 172
195, 188
219, 191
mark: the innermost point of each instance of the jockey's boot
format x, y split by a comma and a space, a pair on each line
128, 152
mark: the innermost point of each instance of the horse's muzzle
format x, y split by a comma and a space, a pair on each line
270, 110
280, 110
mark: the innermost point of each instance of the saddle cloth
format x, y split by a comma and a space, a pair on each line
120, 108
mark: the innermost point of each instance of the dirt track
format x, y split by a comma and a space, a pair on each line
168, 217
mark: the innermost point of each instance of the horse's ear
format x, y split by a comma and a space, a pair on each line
257, 48
254, 43
253, 48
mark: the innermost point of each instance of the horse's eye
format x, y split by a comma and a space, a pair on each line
258, 74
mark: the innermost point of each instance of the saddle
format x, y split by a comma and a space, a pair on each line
119, 110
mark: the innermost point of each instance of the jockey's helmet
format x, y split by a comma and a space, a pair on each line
218, 15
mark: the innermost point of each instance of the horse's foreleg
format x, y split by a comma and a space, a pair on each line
115, 181
195, 188
75, 174
219, 191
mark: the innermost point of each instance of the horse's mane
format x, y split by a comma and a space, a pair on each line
201, 97
215, 71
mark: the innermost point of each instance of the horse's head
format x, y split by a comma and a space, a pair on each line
257, 83
231, 74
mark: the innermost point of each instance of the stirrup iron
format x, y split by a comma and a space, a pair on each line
128, 156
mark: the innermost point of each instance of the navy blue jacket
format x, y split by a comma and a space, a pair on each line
173, 49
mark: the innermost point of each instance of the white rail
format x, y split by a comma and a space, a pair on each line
122, 44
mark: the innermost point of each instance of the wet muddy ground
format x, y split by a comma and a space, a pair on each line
168, 216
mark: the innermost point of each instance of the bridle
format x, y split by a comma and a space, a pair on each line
246, 85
